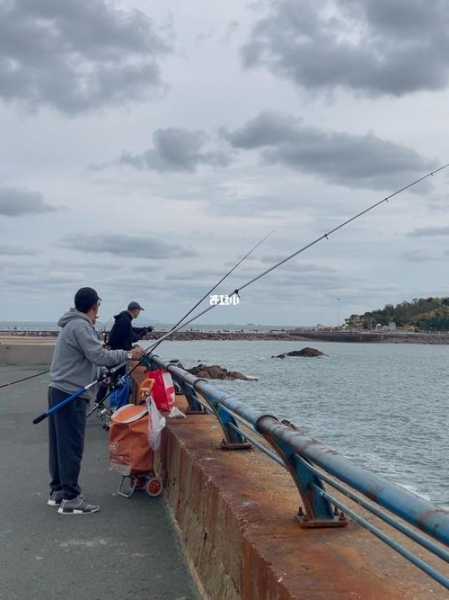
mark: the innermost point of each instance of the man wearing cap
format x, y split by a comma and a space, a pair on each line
78, 353
123, 335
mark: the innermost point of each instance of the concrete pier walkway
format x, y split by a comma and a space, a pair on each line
128, 550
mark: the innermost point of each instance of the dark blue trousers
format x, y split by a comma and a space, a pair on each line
66, 429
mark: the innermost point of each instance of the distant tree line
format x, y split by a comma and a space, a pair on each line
430, 314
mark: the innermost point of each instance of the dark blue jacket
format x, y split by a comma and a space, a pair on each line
123, 335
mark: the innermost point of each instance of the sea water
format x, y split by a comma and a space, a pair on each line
384, 406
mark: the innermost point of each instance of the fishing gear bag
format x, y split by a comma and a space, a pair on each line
134, 436
121, 393
163, 391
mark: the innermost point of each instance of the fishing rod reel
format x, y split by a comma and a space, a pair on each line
108, 382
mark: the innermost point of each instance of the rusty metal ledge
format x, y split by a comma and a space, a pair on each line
236, 515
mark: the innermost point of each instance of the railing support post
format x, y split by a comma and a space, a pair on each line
195, 406
233, 440
315, 511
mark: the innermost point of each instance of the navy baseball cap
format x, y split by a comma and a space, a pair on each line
135, 306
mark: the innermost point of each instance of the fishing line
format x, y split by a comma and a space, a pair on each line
247, 255
181, 322
304, 248
266, 272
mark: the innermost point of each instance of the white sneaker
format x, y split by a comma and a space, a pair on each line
77, 506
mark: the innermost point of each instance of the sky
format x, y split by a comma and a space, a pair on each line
147, 146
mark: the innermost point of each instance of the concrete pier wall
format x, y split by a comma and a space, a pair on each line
26, 353
235, 512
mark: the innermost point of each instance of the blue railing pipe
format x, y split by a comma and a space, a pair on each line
210, 392
233, 439
318, 512
413, 509
311, 463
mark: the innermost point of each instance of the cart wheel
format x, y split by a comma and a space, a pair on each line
127, 486
153, 487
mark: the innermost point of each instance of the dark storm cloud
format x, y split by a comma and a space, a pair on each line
126, 245
430, 231
177, 149
76, 55
374, 47
16, 202
363, 161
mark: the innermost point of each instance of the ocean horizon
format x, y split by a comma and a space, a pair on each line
101, 326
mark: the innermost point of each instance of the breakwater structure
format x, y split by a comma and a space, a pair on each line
285, 335
265, 513
368, 336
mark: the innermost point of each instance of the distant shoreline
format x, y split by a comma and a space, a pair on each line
441, 338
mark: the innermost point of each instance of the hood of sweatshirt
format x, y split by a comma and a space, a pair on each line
72, 315
123, 315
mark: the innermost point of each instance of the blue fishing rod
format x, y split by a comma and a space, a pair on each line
66, 401
112, 371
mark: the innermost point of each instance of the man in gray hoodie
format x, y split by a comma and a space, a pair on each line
77, 355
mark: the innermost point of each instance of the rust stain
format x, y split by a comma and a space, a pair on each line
236, 512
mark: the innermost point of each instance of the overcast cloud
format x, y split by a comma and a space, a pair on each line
176, 149
346, 159
373, 47
126, 245
76, 55
210, 125
17, 202
430, 231
10, 250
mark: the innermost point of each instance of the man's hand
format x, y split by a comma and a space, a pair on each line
137, 353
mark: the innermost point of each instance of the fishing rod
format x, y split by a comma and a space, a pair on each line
112, 371
4, 385
179, 324
320, 238
208, 293
66, 401
304, 248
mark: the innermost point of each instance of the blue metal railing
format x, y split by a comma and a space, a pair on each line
313, 466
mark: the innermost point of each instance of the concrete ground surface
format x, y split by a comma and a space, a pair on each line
128, 550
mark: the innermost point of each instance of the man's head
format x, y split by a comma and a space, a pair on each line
134, 309
88, 302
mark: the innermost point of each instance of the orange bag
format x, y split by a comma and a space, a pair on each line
129, 445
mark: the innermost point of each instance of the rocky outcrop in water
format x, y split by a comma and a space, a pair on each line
217, 372
305, 352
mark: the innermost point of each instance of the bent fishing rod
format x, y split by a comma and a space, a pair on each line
317, 240
80, 392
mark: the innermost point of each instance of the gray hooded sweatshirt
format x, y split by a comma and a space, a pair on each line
78, 353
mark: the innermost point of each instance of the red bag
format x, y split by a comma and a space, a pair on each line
163, 391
